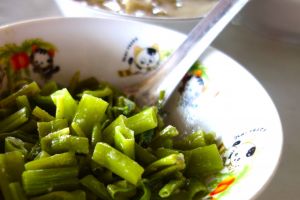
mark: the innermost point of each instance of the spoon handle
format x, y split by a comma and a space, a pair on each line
169, 74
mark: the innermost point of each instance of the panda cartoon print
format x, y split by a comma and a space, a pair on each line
239, 154
145, 59
142, 60
42, 62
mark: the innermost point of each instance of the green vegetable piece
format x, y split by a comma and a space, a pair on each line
95, 186
49, 88
14, 120
44, 102
171, 160
124, 141
29, 127
65, 104
40, 181
44, 128
96, 134
90, 111
124, 106
11, 168
163, 152
29, 90
146, 190
22, 101
63, 195
171, 187
191, 141
42, 154
74, 82
109, 131
117, 162
164, 137
42, 115
46, 140
69, 143
77, 130
5, 179
121, 190
67, 159
99, 93
17, 191
204, 161
143, 121
196, 189
15, 144
144, 156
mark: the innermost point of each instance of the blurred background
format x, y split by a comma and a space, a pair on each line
264, 38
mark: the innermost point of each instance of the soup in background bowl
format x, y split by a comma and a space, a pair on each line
216, 95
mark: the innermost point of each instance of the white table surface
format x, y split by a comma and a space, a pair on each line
274, 63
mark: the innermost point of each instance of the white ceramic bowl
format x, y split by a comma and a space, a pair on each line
223, 97
82, 8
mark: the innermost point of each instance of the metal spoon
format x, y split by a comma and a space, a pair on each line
168, 76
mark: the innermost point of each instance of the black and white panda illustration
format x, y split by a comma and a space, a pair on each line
239, 154
146, 59
42, 62
142, 61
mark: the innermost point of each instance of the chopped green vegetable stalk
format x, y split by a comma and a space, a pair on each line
47, 140
143, 121
96, 134
144, 156
15, 144
40, 181
17, 191
67, 159
69, 143
121, 190
62, 195
44, 128
99, 93
171, 160
196, 189
191, 141
163, 136
89, 112
29, 90
118, 163
95, 186
11, 168
42, 115
171, 187
163, 152
109, 131
49, 88
203, 161
65, 104
124, 141
14, 120
146, 190
22, 101
42, 154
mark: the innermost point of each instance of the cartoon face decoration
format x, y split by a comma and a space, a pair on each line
42, 62
146, 59
239, 154
141, 60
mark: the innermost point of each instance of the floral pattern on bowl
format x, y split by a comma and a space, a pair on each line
18, 61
